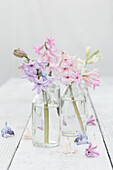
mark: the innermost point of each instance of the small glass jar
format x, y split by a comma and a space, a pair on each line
72, 110
46, 119
85, 92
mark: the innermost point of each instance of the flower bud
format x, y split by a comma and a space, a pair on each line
19, 53
88, 49
93, 60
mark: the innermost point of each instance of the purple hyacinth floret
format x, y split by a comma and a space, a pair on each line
6, 131
81, 138
42, 64
46, 77
31, 66
40, 85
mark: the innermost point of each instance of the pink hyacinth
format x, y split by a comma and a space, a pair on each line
50, 41
66, 67
89, 152
90, 121
47, 52
65, 77
37, 50
91, 78
76, 77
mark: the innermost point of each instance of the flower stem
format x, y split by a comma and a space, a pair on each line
46, 119
76, 109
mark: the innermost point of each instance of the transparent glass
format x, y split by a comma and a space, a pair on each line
46, 119
85, 92
72, 110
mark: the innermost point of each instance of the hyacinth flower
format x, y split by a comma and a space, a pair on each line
7, 131
67, 148
31, 66
68, 76
47, 52
37, 50
76, 77
43, 64
40, 85
81, 138
36, 72
90, 151
90, 121
20, 53
93, 57
50, 44
91, 78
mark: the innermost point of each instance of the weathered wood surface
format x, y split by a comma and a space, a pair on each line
103, 104
15, 108
29, 157
25, 156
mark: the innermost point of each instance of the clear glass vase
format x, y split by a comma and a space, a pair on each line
73, 110
85, 92
46, 119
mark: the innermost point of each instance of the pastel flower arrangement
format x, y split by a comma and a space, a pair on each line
40, 72
69, 70
37, 71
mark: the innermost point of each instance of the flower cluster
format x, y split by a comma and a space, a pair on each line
35, 72
72, 69
68, 69
39, 71
81, 138
6, 131
47, 52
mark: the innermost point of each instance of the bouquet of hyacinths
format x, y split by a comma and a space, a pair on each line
72, 70
40, 73
67, 69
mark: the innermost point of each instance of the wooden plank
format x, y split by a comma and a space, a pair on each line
103, 102
28, 157
15, 108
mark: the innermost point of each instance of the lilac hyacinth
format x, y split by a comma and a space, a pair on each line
43, 63
45, 76
29, 75
31, 66
81, 138
40, 85
30, 70
6, 131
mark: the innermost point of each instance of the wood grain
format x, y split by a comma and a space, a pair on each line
29, 157
103, 103
15, 108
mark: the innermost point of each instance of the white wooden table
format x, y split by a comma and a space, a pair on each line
17, 153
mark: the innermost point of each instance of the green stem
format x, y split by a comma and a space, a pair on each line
46, 119
76, 109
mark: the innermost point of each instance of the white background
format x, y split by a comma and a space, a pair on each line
74, 24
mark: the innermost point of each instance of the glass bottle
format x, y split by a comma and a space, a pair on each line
72, 110
46, 118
